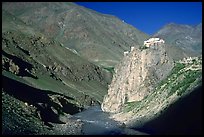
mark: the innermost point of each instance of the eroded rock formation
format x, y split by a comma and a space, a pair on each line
136, 76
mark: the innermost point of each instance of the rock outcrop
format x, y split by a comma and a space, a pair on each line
10, 65
136, 76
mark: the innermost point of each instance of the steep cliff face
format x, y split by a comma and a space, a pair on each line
147, 83
136, 76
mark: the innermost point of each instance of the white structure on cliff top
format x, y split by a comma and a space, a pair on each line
153, 42
132, 48
126, 53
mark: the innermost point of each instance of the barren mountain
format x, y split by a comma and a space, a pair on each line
100, 38
182, 40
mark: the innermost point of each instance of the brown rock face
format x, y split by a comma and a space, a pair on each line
10, 65
13, 68
136, 76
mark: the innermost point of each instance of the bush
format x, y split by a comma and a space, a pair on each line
110, 69
131, 105
177, 67
190, 77
143, 47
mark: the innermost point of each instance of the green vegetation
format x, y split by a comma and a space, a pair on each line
131, 105
110, 69
14, 77
190, 77
143, 47
172, 76
177, 67
179, 81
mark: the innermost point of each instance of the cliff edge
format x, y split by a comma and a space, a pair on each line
136, 76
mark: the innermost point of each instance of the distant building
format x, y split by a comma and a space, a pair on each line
188, 60
126, 53
132, 48
153, 42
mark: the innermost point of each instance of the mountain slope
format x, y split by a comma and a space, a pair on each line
41, 67
100, 38
58, 59
184, 38
46, 80
184, 79
48, 56
129, 103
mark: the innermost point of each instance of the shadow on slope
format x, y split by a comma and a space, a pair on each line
40, 99
25, 68
182, 117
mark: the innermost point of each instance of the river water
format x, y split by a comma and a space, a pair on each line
182, 117
97, 122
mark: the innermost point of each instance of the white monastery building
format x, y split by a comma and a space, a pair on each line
153, 42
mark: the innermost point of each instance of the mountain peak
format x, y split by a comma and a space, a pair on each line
185, 37
90, 33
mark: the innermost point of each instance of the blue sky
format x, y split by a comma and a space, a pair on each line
149, 17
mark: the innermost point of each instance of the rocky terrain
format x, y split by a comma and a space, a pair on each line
46, 68
58, 59
174, 82
20, 118
136, 76
48, 81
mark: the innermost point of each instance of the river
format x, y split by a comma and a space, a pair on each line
182, 117
97, 122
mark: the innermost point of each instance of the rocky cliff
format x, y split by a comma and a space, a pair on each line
147, 83
136, 76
